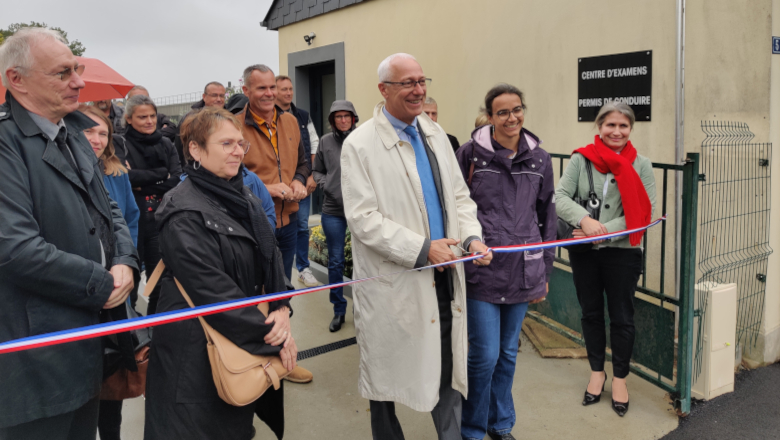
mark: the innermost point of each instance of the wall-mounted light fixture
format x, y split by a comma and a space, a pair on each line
308, 38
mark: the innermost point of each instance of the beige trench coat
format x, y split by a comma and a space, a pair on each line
397, 317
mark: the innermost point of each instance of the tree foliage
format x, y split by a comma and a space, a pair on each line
75, 46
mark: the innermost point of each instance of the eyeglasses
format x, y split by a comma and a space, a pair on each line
215, 95
230, 146
66, 74
344, 117
408, 84
518, 111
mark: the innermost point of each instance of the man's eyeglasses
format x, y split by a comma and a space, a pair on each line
66, 74
518, 111
408, 84
215, 95
230, 146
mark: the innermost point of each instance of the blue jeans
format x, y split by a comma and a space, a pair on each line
494, 332
335, 229
302, 244
286, 237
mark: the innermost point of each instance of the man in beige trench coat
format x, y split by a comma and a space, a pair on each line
407, 205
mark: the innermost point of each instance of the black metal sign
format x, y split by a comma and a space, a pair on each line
625, 77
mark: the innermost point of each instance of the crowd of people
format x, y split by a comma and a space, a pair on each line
217, 206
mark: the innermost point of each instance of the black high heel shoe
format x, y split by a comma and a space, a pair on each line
589, 398
621, 408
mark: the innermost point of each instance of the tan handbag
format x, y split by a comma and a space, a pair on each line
240, 377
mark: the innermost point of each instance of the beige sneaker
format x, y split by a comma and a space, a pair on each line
307, 278
300, 375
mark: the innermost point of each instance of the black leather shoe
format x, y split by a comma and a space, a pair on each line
620, 408
589, 398
335, 325
506, 436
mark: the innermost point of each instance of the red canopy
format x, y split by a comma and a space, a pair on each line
102, 82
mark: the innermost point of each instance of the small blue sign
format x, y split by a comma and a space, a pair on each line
775, 44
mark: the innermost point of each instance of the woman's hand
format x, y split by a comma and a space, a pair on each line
289, 354
281, 330
542, 299
591, 227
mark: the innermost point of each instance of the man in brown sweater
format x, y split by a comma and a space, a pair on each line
277, 156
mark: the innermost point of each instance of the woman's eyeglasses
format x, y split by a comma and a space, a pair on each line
230, 146
518, 111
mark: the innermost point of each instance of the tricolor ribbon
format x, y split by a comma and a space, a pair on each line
110, 328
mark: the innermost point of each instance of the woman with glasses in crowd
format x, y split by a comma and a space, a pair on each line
118, 185
511, 180
154, 169
625, 183
217, 242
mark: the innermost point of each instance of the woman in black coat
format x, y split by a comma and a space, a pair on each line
154, 169
216, 241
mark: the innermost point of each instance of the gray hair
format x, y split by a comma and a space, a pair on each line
248, 72
133, 103
212, 83
615, 106
138, 88
16, 52
385, 67
431, 101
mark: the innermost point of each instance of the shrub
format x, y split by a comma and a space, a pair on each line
318, 250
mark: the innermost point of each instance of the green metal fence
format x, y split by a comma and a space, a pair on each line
663, 350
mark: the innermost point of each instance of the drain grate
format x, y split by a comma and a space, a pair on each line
305, 354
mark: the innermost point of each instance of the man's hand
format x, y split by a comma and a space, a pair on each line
123, 284
299, 191
311, 185
280, 191
281, 330
477, 247
440, 252
289, 354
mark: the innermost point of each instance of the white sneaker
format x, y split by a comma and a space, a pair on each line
307, 278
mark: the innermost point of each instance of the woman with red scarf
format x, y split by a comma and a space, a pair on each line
625, 185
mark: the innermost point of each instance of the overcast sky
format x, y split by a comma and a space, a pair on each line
168, 46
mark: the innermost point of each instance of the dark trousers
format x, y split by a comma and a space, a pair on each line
110, 419
287, 239
80, 424
447, 412
149, 252
614, 271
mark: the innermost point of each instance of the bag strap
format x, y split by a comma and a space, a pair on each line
151, 283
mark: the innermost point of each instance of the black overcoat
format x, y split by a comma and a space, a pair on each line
51, 278
213, 257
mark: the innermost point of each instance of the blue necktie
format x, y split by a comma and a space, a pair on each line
430, 193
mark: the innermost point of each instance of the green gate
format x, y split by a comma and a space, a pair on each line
658, 356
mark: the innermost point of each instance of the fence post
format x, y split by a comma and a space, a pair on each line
690, 202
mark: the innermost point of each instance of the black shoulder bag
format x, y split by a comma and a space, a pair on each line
592, 204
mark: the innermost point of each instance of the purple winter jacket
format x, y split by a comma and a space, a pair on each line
515, 205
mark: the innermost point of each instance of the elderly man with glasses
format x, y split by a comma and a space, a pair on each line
407, 206
65, 250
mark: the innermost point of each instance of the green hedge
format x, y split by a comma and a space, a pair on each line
318, 250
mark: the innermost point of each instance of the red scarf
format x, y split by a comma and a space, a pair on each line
636, 204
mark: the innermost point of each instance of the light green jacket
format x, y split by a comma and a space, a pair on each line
575, 181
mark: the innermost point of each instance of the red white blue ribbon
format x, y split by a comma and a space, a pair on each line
94, 331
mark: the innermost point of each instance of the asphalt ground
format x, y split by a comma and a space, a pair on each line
752, 411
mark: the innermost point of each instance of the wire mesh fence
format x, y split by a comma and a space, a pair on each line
734, 223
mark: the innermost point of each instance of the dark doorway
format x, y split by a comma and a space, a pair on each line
321, 80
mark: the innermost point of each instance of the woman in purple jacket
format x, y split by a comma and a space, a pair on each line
511, 180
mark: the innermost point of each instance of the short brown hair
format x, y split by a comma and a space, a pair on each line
198, 127
111, 163
283, 78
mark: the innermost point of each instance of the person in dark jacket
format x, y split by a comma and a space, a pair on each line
154, 169
213, 96
217, 242
115, 114
431, 108
327, 173
167, 127
65, 250
511, 180
119, 189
